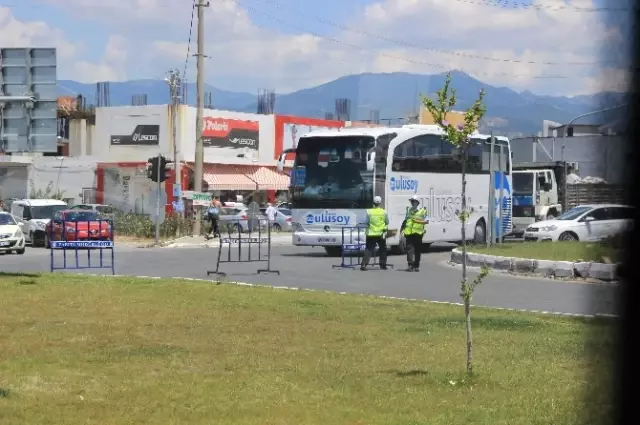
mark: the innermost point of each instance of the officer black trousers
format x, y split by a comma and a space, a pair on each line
370, 246
414, 250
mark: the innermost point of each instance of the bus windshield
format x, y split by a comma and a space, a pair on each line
331, 172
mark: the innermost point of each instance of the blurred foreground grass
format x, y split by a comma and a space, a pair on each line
124, 350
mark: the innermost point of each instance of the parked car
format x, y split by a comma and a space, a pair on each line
11, 236
282, 221
284, 205
236, 219
104, 210
34, 214
78, 225
583, 223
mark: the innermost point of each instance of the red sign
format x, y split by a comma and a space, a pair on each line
230, 133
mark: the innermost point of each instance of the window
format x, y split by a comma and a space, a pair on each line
6, 220
600, 214
81, 207
104, 209
622, 213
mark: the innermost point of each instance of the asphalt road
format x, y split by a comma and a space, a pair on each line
310, 268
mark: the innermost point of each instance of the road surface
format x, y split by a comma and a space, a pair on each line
310, 268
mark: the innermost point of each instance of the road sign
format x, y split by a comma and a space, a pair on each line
198, 198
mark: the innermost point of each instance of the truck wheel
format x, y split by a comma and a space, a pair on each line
480, 233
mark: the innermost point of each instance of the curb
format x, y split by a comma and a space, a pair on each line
608, 273
384, 297
215, 243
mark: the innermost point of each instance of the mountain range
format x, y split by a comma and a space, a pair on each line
394, 95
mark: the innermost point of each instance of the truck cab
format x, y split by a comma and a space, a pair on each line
535, 197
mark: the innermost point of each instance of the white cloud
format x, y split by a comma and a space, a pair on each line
525, 43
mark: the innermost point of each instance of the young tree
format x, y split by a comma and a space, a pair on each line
459, 136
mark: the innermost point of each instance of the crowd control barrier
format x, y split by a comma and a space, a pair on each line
69, 240
239, 247
353, 243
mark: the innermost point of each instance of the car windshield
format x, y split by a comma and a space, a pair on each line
44, 212
522, 183
6, 220
573, 213
284, 211
81, 216
331, 172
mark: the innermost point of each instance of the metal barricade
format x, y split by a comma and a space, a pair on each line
352, 248
78, 236
232, 233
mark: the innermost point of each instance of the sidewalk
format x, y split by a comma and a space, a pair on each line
280, 239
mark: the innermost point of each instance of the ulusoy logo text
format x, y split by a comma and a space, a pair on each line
403, 184
327, 217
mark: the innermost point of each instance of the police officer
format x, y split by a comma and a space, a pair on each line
413, 230
377, 223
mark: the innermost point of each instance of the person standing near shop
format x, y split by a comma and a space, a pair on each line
377, 224
213, 213
413, 229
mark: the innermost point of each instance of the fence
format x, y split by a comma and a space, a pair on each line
231, 233
595, 193
352, 249
77, 237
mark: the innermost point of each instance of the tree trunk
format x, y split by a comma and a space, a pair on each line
467, 301
467, 321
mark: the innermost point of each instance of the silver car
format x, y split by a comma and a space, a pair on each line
236, 219
282, 221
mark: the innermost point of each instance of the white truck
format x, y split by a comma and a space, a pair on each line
541, 192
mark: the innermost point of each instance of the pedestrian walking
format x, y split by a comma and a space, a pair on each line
213, 214
413, 229
271, 212
377, 224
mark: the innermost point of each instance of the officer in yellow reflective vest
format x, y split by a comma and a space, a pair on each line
377, 224
413, 230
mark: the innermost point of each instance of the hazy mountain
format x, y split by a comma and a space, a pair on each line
394, 95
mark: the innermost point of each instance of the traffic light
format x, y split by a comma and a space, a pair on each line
159, 168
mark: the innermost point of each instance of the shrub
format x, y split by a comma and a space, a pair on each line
141, 226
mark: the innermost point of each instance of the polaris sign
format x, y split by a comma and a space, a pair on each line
327, 217
403, 184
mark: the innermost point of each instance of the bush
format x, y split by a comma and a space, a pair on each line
140, 226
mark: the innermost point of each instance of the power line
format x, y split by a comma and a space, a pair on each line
404, 59
415, 46
186, 61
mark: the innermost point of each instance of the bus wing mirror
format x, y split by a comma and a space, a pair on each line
282, 159
371, 161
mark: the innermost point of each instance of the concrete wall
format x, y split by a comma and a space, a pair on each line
13, 180
81, 136
128, 189
597, 156
68, 175
121, 121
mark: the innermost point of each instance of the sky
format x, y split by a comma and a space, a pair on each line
552, 47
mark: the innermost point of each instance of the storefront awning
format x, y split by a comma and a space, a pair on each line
267, 178
242, 177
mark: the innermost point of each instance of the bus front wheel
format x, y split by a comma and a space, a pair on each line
333, 251
480, 233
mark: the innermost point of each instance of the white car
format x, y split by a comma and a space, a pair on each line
11, 236
583, 223
34, 214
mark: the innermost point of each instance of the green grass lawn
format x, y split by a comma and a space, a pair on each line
80, 350
555, 251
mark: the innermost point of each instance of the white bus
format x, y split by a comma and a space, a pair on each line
336, 174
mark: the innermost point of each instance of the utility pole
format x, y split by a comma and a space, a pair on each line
158, 194
175, 83
199, 154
